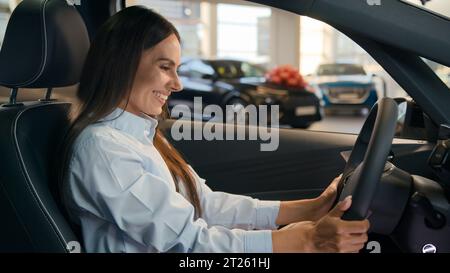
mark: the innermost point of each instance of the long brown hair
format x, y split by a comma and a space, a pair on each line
107, 79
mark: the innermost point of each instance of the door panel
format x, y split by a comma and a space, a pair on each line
302, 166
304, 163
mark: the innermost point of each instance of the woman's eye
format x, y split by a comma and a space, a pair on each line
165, 68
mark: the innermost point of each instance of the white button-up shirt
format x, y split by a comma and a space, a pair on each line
123, 195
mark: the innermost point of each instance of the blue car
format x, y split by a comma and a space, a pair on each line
344, 86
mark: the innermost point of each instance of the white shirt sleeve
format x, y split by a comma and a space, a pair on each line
109, 181
236, 211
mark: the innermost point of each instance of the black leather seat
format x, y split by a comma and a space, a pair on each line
45, 45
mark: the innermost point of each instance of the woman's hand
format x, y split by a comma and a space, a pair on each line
329, 234
326, 200
308, 209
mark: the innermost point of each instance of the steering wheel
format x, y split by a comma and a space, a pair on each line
368, 158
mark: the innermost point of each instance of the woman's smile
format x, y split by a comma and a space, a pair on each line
161, 98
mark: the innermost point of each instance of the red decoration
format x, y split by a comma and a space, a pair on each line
286, 75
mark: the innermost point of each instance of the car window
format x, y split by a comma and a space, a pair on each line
189, 19
228, 70
242, 33
198, 69
250, 70
340, 69
218, 30
343, 76
236, 69
184, 69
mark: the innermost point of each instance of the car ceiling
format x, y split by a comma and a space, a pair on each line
418, 31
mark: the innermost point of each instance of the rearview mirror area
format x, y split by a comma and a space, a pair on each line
414, 123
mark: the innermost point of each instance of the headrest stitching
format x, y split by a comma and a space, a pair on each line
44, 61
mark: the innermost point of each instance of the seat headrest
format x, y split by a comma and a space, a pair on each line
45, 45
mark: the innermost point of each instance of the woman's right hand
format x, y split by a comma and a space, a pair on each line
329, 234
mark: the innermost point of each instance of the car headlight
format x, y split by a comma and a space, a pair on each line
323, 90
267, 91
269, 100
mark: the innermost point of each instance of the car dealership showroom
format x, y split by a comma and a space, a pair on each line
225, 126
345, 80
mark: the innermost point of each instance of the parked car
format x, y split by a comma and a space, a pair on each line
240, 83
344, 86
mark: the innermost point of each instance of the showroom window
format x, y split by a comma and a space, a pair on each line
243, 32
323, 46
315, 38
187, 18
211, 29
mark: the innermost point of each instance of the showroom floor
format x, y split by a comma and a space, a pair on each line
339, 123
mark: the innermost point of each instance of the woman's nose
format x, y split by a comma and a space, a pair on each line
177, 85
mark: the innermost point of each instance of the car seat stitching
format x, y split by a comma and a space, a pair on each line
30, 185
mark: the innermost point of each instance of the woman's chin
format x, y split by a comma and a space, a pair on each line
156, 112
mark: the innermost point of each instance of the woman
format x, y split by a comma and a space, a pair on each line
131, 191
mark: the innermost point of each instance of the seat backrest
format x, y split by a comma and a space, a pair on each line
45, 45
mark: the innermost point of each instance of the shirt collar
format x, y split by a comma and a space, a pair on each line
142, 127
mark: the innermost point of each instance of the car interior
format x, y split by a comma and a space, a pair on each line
399, 180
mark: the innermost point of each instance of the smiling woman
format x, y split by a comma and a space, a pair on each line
132, 90
131, 191
156, 78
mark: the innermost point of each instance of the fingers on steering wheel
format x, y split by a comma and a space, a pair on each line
354, 227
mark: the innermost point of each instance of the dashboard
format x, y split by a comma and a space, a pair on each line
439, 159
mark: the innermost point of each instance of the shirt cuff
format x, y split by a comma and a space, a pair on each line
258, 241
266, 214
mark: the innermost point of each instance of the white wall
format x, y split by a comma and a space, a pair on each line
284, 38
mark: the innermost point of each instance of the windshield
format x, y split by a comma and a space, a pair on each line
235, 70
340, 69
441, 7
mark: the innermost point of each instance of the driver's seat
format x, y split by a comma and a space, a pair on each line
45, 45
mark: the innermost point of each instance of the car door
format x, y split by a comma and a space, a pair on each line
301, 167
